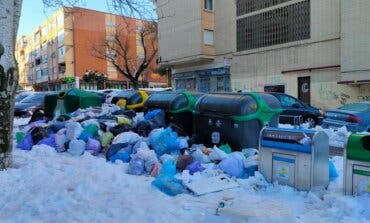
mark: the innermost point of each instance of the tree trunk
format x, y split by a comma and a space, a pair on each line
135, 84
10, 11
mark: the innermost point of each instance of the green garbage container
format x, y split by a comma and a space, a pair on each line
357, 165
69, 101
178, 108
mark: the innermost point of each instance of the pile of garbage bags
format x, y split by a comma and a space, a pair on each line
141, 140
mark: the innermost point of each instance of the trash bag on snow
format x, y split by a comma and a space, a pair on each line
124, 157
60, 140
37, 115
124, 120
333, 174
129, 113
106, 139
127, 137
183, 161
93, 146
118, 148
89, 132
198, 155
140, 145
136, 166
76, 147
166, 181
195, 167
164, 141
217, 154
156, 118
149, 158
50, 141
73, 130
118, 129
26, 143
233, 165
143, 128
38, 133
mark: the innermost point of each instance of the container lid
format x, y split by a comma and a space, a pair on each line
241, 107
287, 139
358, 147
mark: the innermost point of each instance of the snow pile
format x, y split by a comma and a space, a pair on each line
337, 138
45, 186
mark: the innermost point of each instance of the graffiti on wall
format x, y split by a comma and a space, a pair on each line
327, 91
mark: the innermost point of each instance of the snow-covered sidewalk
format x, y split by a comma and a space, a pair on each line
46, 186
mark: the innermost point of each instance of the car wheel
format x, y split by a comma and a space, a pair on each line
311, 121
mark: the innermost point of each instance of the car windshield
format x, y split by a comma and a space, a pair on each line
358, 107
33, 98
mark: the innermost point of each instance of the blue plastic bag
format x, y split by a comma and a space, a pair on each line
333, 174
233, 165
164, 141
136, 166
26, 143
50, 141
118, 148
124, 157
166, 181
151, 114
195, 167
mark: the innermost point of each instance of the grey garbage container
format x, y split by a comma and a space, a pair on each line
295, 157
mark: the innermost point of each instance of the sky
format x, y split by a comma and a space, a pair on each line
34, 13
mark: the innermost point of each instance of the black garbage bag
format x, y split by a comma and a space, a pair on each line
143, 128
38, 133
129, 113
37, 115
103, 126
116, 130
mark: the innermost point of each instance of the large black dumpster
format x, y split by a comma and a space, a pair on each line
135, 100
69, 101
178, 107
236, 119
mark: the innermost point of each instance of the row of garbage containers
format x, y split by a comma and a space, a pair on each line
295, 157
217, 118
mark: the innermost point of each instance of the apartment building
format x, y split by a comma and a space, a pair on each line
57, 53
318, 51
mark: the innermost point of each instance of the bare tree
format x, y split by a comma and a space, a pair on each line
120, 49
10, 11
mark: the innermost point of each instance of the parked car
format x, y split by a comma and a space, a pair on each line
22, 95
30, 103
292, 107
355, 116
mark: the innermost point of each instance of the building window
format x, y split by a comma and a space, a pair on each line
61, 37
247, 6
205, 85
61, 52
208, 5
283, 25
208, 37
60, 20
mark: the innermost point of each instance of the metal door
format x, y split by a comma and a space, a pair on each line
304, 89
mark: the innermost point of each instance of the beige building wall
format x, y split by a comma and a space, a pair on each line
179, 29
355, 47
254, 69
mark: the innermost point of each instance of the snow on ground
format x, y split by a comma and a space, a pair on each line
44, 186
337, 138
